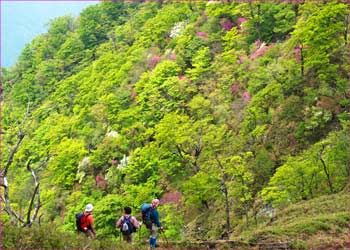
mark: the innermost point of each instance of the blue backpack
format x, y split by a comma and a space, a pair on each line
146, 215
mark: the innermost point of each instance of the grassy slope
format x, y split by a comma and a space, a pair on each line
321, 223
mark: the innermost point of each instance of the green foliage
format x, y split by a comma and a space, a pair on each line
201, 189
230, 39
237, 106
320, 35
71, 51
259, 110
58, 30
156, 30
143, 166
106, 214
95, 21
270, 22
111, 148
200, 64
188, 45
304, 177
159, 92
63, 167
173, 221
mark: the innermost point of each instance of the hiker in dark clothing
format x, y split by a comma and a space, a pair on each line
150, 217
128, 225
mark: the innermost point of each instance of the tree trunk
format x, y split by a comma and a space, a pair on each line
347, 47
227, 210
225, 190
301, 61
325, 169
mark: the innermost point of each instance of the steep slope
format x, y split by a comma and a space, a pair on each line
223, 111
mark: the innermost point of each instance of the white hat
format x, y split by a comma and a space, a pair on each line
89, 207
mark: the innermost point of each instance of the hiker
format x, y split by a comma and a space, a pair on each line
85, 222
128, 225
150, 218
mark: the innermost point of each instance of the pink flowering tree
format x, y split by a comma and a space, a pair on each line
202, 35
260, 49
100, 182
171, 197
152, 63
241, 20
172, 57
240, 60
246, 97
297, 53
235, 88
226, 24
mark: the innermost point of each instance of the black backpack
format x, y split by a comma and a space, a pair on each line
78, 217
127, 227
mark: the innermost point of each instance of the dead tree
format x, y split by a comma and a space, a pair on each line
5, 196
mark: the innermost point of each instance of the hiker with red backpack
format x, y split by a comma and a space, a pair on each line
85, 222
128, 225
150, 218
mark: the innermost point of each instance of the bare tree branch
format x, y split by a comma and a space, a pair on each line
12, 153
20, 137
6, 198
26, 114
34, 193
4, 183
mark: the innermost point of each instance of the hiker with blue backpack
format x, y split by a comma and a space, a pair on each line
85, 222
128, 225
150, 218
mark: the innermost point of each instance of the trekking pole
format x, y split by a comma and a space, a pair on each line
139, 233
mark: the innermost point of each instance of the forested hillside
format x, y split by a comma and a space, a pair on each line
227, 112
